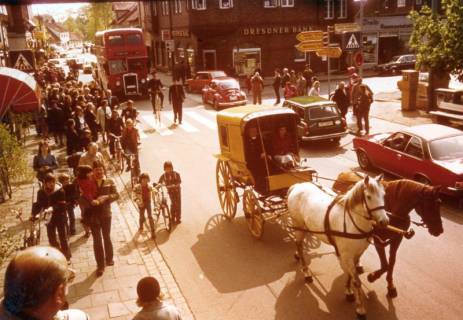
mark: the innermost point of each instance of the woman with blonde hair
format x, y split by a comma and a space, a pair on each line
315, 90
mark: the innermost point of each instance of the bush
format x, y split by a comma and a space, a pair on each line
8, 244
14, 157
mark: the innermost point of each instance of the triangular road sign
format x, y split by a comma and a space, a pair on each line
22, 63
353, 42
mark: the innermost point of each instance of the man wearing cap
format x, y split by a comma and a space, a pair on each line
36, 285
155, 87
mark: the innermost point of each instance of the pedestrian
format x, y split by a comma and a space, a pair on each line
176, 98
276, 85
44, 162
257, 84
129, 142
308, 74
285, 77
87, 193
85, 139
73, 144
112, 100
35, 285
150, 300
91, 155
365, 99
51, 198
142, 196
315, 90
90, 120
56, 122
115, 128
293, 78
357, 82
130, 112
172, 181
71, 192
301, 85
290, 91
102, 115
100, 219
155, 88
341, 98
79, 119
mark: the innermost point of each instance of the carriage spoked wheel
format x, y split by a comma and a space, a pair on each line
253, 213
226, 189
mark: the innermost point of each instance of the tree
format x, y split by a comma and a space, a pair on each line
100, 16
438, 40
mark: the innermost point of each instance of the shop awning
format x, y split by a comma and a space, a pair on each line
19, 92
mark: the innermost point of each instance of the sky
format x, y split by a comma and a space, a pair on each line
59, 11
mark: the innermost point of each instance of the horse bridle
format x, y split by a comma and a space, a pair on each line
370, 211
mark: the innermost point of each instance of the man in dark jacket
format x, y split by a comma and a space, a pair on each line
56, 122
52, 198
100, 220
176, 98
276, 85
155, 87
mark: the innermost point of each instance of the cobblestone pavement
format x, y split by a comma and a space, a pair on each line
113, 295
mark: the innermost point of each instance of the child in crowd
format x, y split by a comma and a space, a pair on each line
71, 192
172, 181
142, 197
150, 300
88, 193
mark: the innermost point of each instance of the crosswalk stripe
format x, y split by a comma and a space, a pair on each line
162, 129
185, 125
205, 121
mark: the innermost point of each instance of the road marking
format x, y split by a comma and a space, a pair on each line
205, 121
185, 125
161, 129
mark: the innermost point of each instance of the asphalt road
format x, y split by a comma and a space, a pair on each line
224, 273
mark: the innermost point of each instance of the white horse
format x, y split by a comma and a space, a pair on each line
345, 222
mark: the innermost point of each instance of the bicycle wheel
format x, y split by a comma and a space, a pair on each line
167, 217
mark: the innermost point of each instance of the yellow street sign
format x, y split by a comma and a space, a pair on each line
344, 27
330, 52
316, 35
308, 46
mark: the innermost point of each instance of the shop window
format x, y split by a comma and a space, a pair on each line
226, 4
299, 56
401, 3
342, 9
287, 3
370, 43
177, 6
198, 4
329, 9
270, 3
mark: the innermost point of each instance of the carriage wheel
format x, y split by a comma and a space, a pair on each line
228, 196
253, 213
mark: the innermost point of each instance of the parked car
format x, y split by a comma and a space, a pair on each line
320, 119
406, 61
449, 106
201, 79
429, 153
224, 92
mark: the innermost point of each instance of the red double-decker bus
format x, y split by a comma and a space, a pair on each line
122, 61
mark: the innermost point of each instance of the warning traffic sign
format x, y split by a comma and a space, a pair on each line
352, 41
22, 63
22, 60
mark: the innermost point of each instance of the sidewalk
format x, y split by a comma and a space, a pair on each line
112, 296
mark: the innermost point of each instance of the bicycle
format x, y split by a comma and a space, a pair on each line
160, 206
118, 161
134, 166
32, 233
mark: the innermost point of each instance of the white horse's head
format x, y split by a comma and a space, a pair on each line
369, 192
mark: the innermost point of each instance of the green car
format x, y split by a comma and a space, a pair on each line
319, 118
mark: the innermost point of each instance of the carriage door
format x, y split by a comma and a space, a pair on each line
209, 59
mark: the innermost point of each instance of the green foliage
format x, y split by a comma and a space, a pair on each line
14, 157
8, 244
438, 40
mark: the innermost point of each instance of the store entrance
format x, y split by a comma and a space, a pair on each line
209, 60
246, 61
387, 48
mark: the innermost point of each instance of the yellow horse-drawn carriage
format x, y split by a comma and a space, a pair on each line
246, 165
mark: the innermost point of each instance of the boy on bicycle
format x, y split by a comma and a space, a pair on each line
172, 181
142, 197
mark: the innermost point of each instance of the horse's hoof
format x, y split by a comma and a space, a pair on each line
360, 270
371, 277
350, 297
296, 256
391, 292
308, 279
361, 316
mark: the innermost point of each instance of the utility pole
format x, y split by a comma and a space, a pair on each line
362, 6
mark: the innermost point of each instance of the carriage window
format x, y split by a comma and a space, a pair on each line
224, 136
322, 112
414, 148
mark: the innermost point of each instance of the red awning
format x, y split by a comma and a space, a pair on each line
18, 91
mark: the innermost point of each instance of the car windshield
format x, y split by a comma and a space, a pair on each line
217, 74
229, 84
447, 148
321, 112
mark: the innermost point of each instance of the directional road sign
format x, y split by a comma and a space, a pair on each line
316, 35
308, 46
346, 27
330, 52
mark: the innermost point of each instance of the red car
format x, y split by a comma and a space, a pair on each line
430, 153
224, 92
201, 79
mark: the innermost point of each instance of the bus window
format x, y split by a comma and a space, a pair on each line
117, 66
132, 39
115, 40
136, 65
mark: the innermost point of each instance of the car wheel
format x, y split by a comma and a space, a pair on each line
363, 160
216, 105
419, 178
